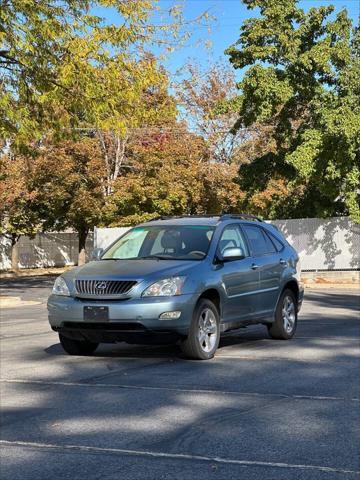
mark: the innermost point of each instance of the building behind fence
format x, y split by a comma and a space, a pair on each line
323, 244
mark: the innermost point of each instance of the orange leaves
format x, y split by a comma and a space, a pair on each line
173, 176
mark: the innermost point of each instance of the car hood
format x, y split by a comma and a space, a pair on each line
131, 269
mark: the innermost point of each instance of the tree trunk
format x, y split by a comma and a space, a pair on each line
113, 148
83, 233
15, 252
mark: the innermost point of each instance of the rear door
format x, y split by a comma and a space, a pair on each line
267, 260
239, 280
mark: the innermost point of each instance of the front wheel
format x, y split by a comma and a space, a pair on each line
77, 347
285, 323
204, 334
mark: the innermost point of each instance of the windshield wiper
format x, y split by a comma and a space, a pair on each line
145, 257
156, 257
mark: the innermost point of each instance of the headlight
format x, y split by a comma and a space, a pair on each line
165, 288
60, 287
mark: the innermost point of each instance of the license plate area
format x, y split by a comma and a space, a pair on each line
97, 314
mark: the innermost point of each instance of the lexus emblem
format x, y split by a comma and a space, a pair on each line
100, 285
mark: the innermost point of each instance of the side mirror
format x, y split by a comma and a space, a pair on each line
96, 253
233, 253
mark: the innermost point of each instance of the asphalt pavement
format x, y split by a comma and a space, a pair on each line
261, 409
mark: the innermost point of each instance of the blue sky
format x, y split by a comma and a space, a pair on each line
225, 29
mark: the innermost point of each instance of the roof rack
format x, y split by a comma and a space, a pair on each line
243, 216
221, 216
172, 217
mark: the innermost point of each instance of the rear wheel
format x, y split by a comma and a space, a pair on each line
77, 347
204, 334
285, 323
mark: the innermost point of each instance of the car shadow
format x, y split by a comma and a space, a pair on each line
124, 350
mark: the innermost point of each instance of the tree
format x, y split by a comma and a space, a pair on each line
61, 185
205, 96
66, 72
302, 80
17, 213
59, 60
172, 176
68, 178
149, 106
34, 40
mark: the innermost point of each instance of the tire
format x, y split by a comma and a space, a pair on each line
204, 334
284, 326
77, 347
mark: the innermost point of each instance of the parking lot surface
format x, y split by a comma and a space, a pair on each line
261, 409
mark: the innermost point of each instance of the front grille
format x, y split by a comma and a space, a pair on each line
103, 287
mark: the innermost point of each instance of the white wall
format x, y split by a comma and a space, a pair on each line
324, 244
44, 250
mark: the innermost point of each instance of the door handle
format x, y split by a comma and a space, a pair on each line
254, 266
283, 262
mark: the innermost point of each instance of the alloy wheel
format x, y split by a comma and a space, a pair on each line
288, 314
208, 330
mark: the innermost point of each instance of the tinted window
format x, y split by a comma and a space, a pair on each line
260, 244
231, 237
269, 244
279, 246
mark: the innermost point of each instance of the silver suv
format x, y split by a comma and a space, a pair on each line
180, 279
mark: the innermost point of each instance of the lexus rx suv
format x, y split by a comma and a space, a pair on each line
180, 279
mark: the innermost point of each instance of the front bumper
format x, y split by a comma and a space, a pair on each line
128, 319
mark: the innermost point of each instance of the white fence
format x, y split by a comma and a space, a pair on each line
323, 244
45, 250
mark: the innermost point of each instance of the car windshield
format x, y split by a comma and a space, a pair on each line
180, 242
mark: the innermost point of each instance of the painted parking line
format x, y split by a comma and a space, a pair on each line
178, 389
281, 359
174, 456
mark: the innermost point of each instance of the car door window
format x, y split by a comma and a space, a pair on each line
278, 245
231, 237
259, 243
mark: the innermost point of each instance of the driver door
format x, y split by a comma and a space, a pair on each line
239, 280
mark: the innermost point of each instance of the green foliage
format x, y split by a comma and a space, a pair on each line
63, 67
66, 75
302, 79
33, 41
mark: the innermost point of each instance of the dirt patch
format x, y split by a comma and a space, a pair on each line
12, 302
31, 272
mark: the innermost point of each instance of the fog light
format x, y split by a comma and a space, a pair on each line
170, 315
